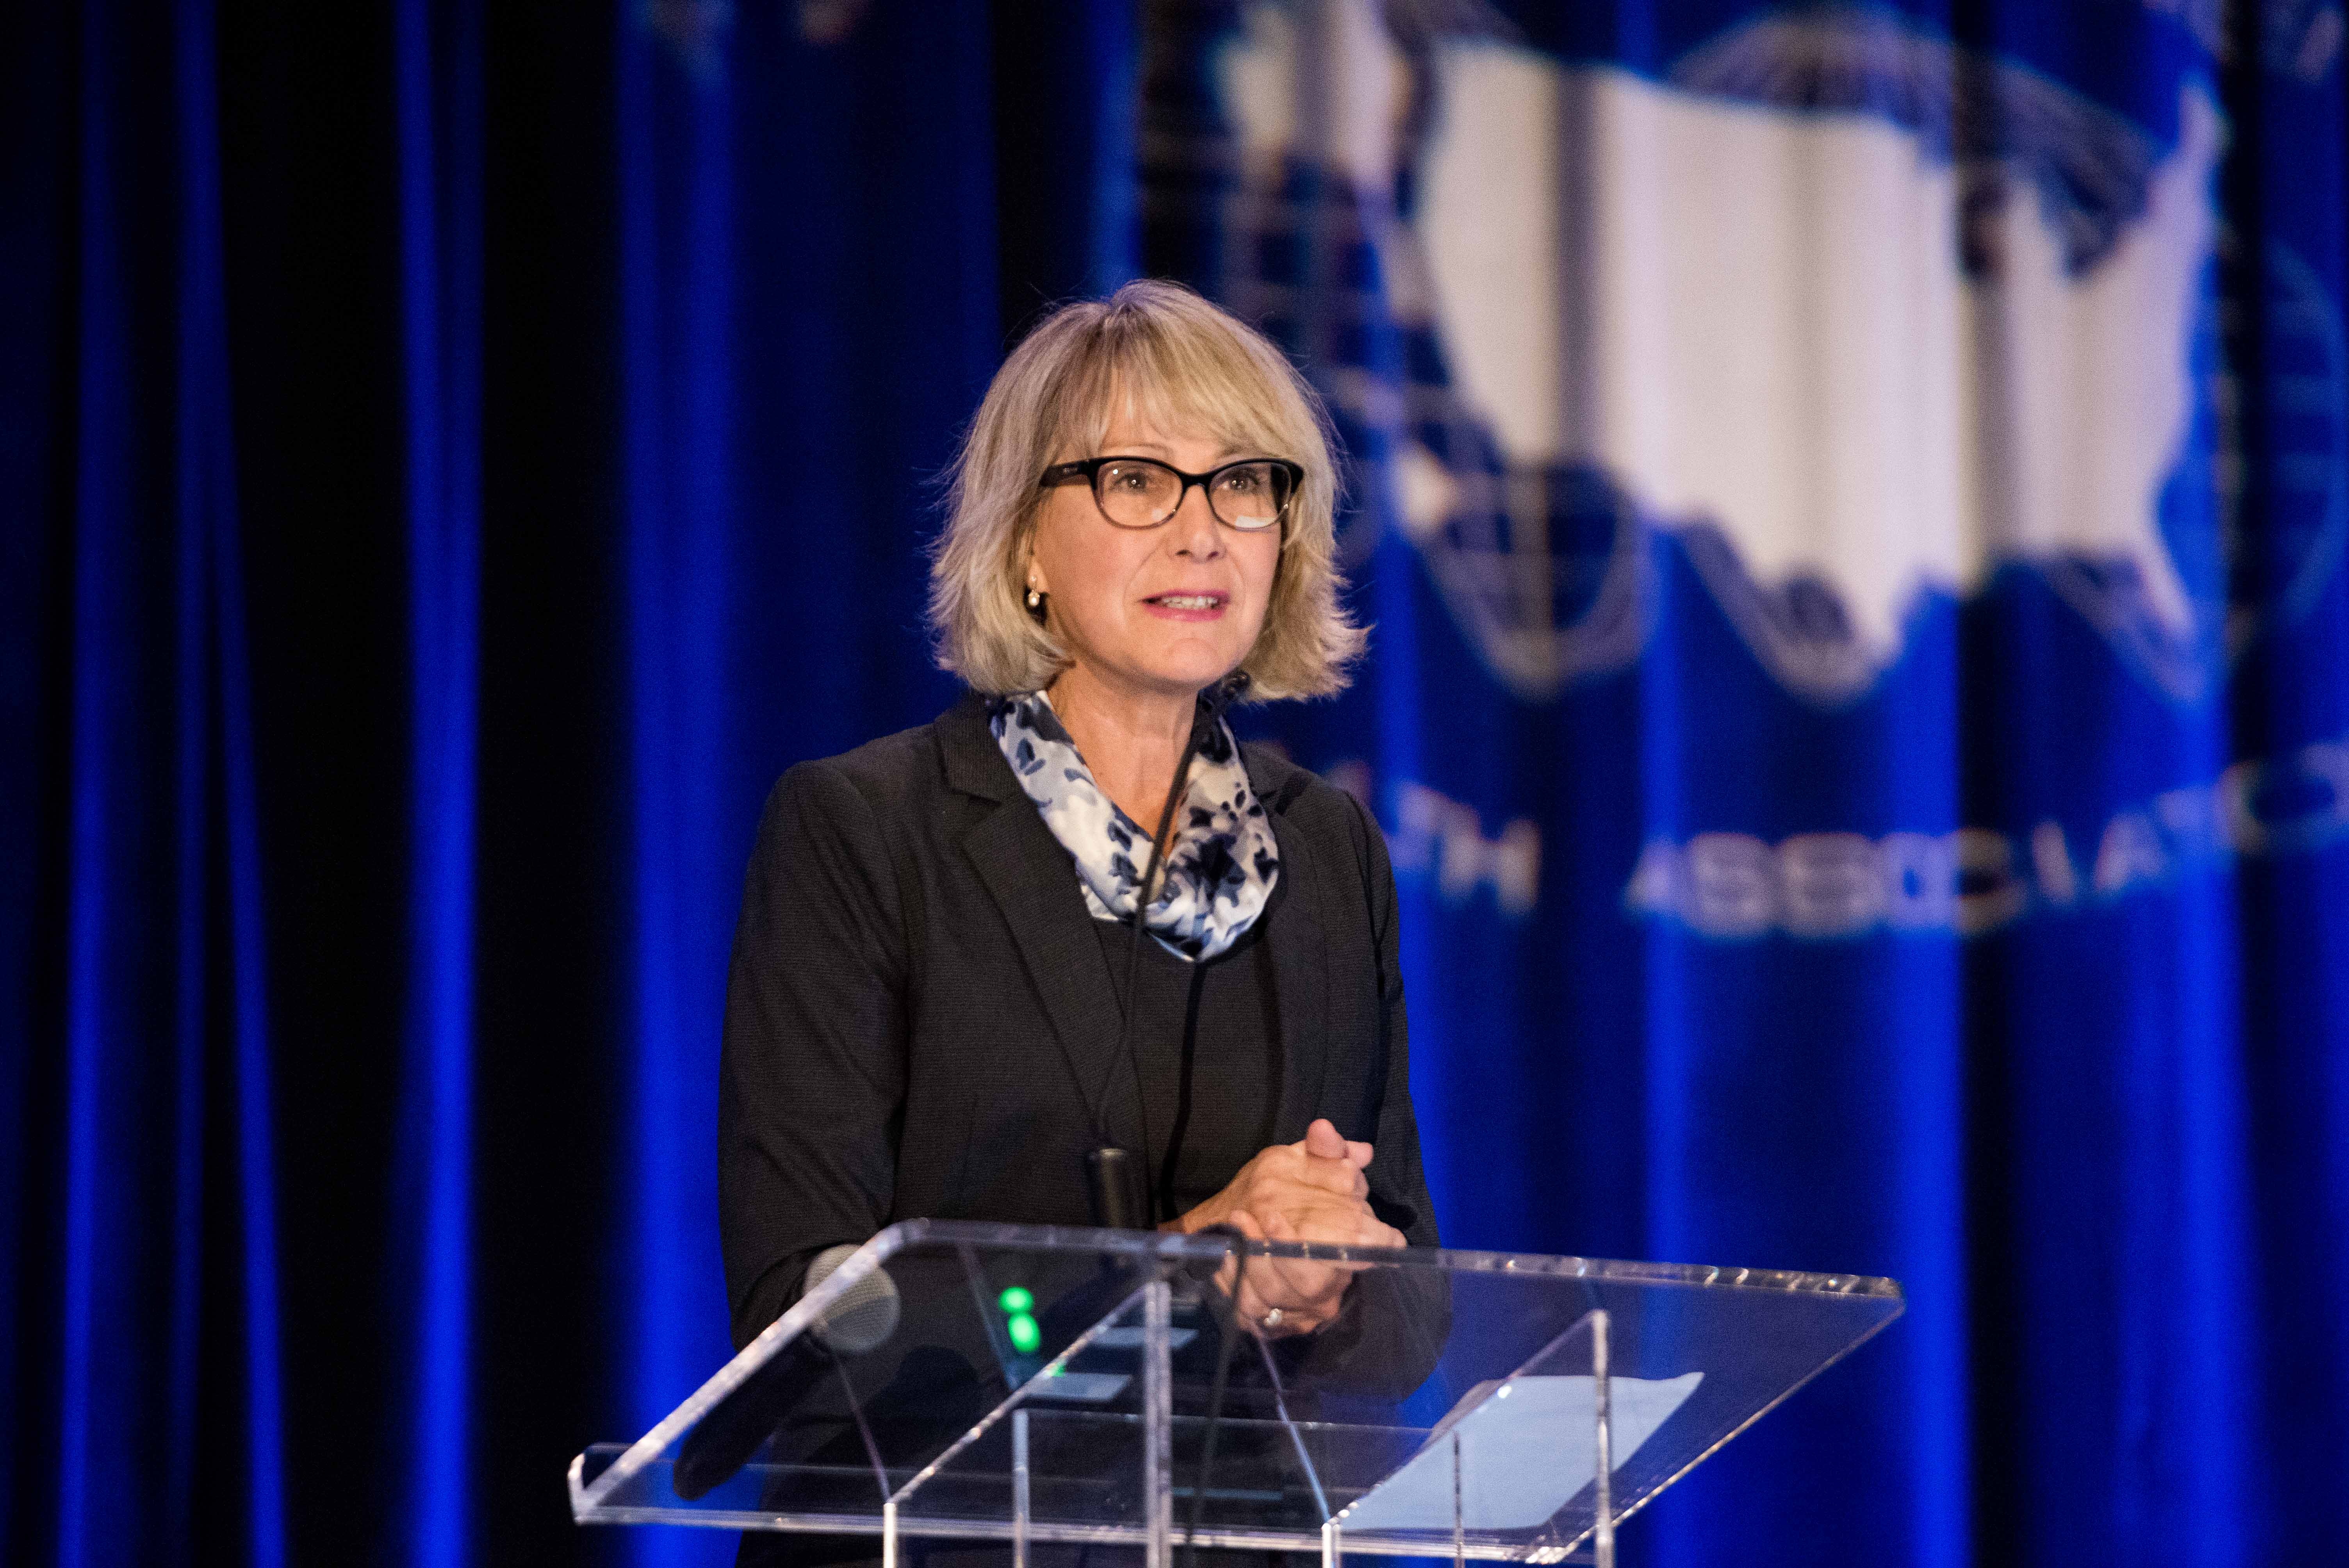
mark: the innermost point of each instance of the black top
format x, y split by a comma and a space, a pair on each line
1208, 1049
918, 991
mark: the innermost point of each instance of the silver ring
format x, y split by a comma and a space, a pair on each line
1270, 1319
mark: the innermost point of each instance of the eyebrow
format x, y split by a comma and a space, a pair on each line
1224, 453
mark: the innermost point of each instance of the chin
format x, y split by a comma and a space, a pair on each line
1196, 677
1189, 666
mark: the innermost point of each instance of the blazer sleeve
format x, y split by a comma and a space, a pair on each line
1398, 1180
811, 1082
1395, 1323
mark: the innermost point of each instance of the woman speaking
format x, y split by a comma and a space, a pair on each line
938, 1006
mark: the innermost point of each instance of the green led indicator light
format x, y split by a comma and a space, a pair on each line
1018, 1303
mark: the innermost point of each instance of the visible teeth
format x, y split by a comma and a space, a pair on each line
1189, 601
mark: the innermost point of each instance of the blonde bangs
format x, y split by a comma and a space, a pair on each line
1172, 384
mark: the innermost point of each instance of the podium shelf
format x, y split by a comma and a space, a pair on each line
1029, 1386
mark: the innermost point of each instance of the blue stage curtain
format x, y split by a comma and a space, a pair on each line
456, 457
554, 415
142, 1362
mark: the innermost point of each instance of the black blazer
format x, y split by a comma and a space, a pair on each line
918, 991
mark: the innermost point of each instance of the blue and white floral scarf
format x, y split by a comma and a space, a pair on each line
1220, 867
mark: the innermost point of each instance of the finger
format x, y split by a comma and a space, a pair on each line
1323, 1141
1249, 1303
1352, 1226
1337, 1220
1264, 1285
1316, 1171
1333, 1183
1301, 1288
1307, 1294
1301, 1300
1282, 1283
1336, 1175
1291, 1283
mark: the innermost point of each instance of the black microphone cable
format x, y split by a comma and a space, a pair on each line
1230, 1336
1108, 1165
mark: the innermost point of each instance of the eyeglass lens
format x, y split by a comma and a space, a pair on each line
1138, 494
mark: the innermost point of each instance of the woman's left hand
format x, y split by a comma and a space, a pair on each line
1281, 1297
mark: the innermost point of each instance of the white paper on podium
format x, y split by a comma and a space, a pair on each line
1526, 1448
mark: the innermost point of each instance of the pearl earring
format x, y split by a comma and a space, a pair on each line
1035, 601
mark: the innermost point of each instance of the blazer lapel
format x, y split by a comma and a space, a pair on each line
1029, 875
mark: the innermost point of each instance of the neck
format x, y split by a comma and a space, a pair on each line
1132, 740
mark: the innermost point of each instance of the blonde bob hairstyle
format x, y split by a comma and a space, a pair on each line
1185, 365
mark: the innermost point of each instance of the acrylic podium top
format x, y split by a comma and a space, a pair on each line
1009, 1383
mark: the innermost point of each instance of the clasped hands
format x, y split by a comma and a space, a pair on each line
1310, 1190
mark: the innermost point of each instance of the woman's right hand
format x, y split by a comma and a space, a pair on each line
1313, 1186
1311, 1191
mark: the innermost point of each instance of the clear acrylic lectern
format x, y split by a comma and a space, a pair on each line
1028, 1385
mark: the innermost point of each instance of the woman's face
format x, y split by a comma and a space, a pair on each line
1163, 611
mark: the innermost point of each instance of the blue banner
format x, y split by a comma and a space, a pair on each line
1852, 501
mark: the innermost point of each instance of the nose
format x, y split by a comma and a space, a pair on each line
1192, 531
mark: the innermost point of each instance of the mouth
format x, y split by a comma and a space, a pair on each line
1190, 603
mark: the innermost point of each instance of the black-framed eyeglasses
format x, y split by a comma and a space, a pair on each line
1142, 492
